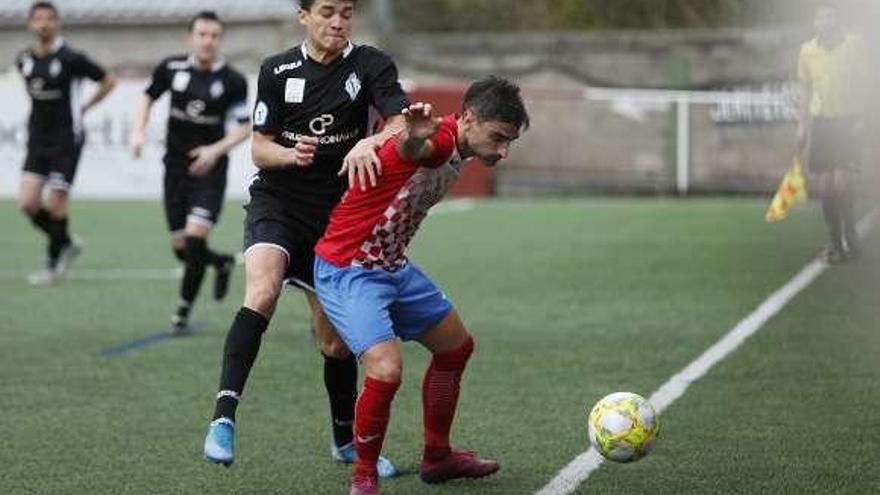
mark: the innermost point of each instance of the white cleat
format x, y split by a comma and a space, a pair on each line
68, 255
45, 276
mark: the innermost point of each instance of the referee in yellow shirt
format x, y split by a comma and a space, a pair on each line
831, 68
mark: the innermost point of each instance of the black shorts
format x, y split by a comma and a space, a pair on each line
199, 199
56, 164
290, 225
833, 144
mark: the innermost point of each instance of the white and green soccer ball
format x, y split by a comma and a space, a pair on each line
623, 427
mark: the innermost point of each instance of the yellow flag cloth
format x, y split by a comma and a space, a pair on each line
792, 190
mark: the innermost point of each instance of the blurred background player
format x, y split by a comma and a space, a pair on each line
311, 121
205, 92
830, 67
373, 294
53, 73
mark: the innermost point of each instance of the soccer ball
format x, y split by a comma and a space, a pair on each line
623, 427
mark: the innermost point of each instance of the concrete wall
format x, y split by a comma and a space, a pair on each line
575, 145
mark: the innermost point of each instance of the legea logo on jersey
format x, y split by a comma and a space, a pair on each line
180, 81
195, 108
319, 125
37, 84
353, 86
285, 67
217, 89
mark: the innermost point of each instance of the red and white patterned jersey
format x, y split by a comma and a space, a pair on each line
373, 228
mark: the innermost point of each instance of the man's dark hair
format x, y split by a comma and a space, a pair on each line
496, 99
205, 15
307, 4
40, 6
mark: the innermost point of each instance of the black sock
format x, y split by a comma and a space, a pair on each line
41, 220
831, 212
180, 254
239, 353
194, 269
216, 259
58, 238
848, 218
340, 378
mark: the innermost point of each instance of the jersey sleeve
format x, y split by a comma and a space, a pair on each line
267, 111
386, 94
159, 81
83, 66
238, 107
443, 143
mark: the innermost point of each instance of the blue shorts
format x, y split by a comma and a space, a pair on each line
370, 306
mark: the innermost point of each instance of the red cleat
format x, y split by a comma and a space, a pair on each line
458, 464
364, 485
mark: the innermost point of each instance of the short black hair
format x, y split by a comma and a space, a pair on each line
42, 5
307, 4
205, 15
496, 99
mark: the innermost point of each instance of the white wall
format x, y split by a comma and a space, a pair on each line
107, 169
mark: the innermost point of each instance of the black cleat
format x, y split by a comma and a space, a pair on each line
221, 280
834, 256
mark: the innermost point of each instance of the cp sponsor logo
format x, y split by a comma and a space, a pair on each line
319, 125
195, 108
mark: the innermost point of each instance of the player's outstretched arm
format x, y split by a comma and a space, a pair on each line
268, 154
139, 130
421, 125
362, 162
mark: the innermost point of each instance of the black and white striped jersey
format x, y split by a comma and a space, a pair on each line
54, 85
201, 102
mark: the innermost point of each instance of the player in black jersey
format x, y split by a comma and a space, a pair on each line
205, 92
311, 124
53, 73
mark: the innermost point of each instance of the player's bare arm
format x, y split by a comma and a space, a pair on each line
139, 131
415, 144
205, 158
267, 154
362, 161
105, 86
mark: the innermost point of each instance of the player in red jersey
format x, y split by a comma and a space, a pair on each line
373, 294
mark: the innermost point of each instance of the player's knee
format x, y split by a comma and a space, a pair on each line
334, 348
56, 202
29, 206
386, 370
261, 297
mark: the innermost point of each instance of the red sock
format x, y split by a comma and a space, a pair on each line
371, 415
440, 397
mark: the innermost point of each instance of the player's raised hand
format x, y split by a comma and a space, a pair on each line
303, 153
362, 164
420, 120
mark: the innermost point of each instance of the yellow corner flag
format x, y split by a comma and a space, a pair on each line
792, 190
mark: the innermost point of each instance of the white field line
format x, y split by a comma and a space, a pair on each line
579, 469
105, 274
